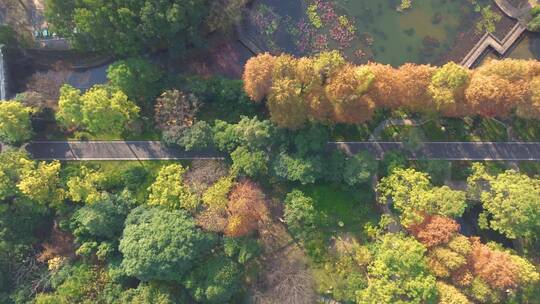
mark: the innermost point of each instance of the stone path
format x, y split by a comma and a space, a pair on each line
154, 150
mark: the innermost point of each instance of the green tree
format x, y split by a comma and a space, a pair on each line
224, 98
311, 140
99, 110
106, 111
20, 222
511, 204
215, 280
79, 283
392, 160
139, 79
335, 166
197, 137
15, 126
398, 273
161, 244
250, 163
128, 27
241, 249
69, 112
412, 194
297, 169
300, 214
359, 168
148, 294
169, 189
99, 225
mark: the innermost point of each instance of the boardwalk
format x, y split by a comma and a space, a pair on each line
489, 40
153, 150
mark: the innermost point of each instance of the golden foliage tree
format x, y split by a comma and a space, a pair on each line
258, 76
246, 208
346, 91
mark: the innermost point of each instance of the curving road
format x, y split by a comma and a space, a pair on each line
155, 150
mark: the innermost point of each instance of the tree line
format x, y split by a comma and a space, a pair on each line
326, 89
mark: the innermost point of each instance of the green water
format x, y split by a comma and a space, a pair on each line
398, 37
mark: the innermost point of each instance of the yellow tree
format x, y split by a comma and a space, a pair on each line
258, 76
41, 182
286, 105
346, 91
169, 189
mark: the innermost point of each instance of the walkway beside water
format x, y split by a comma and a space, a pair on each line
489, 40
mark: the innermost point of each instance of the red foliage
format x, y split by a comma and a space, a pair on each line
494, 267
434, 230
247, 209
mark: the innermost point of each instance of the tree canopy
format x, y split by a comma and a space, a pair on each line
161, 244
398, 273
15, 126
129, 27
100, 110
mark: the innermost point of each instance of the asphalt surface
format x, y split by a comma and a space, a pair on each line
481, 151
155, 150
113, 150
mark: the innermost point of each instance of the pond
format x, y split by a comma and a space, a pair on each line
363, 30
528, 47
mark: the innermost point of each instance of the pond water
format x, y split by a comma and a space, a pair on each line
528, 47
362, 29
420, 34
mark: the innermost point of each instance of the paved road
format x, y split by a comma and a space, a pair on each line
154, 150
112, 150
510, 151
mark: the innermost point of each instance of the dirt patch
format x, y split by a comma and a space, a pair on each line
226, 58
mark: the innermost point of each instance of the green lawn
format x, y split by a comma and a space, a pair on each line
353, 208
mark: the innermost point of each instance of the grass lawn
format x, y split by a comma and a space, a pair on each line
526, 129
467, 129
353, 208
